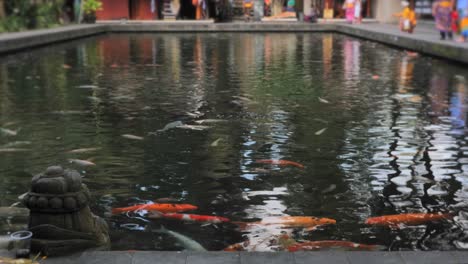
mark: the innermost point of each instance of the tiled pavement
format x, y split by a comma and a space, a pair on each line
424, 40
326, 257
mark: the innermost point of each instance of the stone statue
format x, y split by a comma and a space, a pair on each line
60, 217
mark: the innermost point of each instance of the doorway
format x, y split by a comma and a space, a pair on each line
141, 10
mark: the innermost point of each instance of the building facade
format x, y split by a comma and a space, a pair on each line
382, 10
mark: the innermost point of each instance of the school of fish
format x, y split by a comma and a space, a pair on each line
165, 209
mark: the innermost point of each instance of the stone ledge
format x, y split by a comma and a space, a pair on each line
10, 42
221, 27
425, 40
329, 257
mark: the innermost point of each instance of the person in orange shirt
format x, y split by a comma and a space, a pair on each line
407, 18
464, 26
248, 6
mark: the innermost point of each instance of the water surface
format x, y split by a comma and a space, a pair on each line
391, 139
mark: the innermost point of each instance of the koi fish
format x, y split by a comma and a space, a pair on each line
237, 247
320, 132
83, 150
316, 245
71, 112
375, 77
408, 219
412, 54
194, 127
290, 221
84, 163
8, 132
323, 100
186, 242
14, 212
171, 126
163, 208
192, 218
281, 163
216, 142
94, 99
128, 136
12, 150
87, 86
210, 121
17, 143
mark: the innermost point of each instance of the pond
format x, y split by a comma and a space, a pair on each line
379, 131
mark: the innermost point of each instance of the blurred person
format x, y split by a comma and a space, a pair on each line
248, 6
357, 11
441, 10
464, 26
407, 18
348, 6
455, 17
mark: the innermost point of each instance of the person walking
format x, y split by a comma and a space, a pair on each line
349, 7
248, 7
299, 8
464, 26
441, 10
407, 18
455, 17
357, 11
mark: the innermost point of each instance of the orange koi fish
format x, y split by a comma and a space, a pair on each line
192, 218
408, 219
316, 245
412, 54
281, 163
290, 221
163, 208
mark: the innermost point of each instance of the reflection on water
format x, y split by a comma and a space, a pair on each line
391, 144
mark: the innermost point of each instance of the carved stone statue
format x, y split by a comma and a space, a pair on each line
60, 217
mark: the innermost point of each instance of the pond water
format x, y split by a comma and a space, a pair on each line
379, 131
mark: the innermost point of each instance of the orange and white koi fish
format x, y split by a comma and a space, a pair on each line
316, 245
163, 208
192, 218
290, 222
281, 163
407, 219
242, 246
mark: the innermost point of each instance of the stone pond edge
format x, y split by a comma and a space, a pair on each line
328, 257
13, 42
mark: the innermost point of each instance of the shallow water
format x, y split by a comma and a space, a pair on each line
379, 132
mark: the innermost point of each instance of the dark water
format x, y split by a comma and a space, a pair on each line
396, 144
